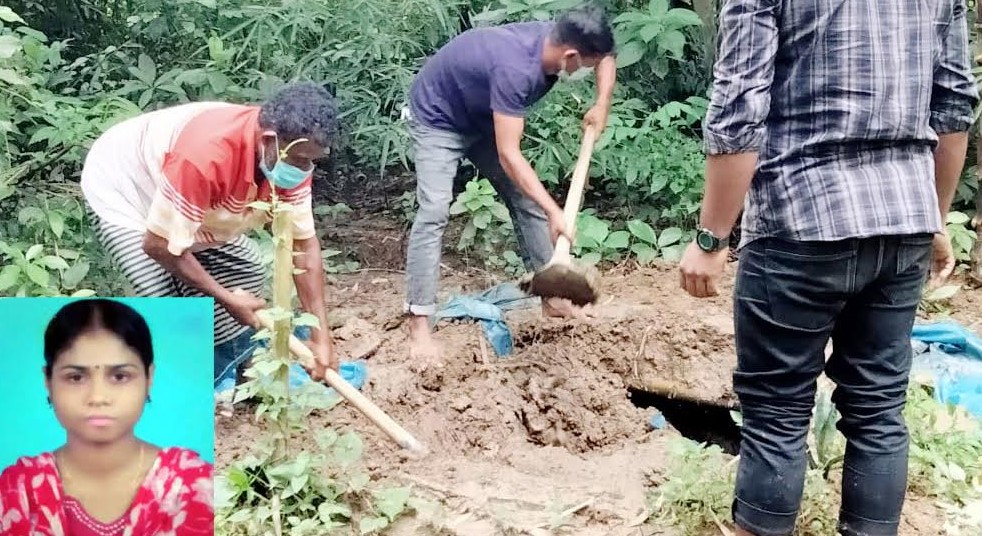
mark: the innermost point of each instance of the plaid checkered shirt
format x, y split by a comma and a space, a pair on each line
844, 101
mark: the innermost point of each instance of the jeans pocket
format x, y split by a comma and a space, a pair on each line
914, 253
807, 282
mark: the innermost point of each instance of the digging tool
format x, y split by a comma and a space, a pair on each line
397, 433
562, 278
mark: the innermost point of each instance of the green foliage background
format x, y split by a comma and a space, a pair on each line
71, 68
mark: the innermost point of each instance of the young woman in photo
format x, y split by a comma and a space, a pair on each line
104, 481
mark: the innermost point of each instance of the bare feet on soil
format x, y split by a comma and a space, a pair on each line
424, 351
563, 308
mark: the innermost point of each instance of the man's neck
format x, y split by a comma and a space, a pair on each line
98, 460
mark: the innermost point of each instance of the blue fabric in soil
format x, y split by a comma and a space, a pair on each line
489, 308
951, 356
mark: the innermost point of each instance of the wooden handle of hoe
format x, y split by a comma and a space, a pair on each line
574, 198
397, 433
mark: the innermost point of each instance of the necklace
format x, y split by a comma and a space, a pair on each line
136, 477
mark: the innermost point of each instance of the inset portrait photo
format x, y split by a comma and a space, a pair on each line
108, 416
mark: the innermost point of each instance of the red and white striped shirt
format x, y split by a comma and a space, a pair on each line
186, 173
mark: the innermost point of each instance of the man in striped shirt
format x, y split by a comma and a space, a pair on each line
845, 121
170, 191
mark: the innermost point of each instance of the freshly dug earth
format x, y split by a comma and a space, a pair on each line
516, 441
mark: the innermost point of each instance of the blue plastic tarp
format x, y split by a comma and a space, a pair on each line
353, 372
951, 356
489, 308
657, 421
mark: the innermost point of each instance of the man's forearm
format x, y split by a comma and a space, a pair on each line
606, 78
310, 285
184, 266
728, 178
949, 160
524, 177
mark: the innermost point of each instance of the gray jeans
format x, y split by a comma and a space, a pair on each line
437, 155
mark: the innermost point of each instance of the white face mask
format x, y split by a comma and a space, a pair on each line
577, 75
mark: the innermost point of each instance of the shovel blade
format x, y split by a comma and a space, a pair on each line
577, 283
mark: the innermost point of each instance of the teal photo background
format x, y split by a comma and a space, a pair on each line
181, 413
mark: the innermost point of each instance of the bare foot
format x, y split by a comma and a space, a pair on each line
424, 352
563, 308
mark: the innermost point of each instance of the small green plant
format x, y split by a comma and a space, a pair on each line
595, 241
655, 35
282, 487
816, 516
489, 226
826, 444
648, 244
945, 449
256, 493
937, 300
404, 207
31, 272
962, 237
697, 494
521, 10
332, 211
52, 250
336, 262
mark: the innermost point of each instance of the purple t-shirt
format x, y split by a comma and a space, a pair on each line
479, 71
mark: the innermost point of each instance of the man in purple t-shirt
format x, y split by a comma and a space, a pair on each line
469, 101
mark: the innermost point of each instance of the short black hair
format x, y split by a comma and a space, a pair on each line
88, 315
585, 28
301, 110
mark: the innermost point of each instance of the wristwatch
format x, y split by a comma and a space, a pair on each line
709, 242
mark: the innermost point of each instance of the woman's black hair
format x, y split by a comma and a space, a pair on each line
84, 316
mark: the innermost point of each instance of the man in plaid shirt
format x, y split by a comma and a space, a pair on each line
846, 123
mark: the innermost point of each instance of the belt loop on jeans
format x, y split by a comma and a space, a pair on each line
881, 246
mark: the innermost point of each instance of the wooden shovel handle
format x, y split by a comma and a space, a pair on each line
574, 198
396, 432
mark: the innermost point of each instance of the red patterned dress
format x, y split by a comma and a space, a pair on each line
175, 499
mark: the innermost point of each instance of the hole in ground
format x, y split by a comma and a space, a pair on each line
700, 422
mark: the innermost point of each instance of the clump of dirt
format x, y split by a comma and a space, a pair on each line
357, 339
543, 395
568, 409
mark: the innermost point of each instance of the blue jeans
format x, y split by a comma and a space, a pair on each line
790, 298
437, 154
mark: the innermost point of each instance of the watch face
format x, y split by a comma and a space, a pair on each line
705, 241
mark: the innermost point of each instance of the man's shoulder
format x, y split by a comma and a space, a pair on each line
524, 36
506, 36
214, 133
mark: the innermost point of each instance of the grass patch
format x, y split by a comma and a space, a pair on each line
695, 492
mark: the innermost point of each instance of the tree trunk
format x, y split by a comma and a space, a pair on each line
708, 11
282, 298
976, 255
